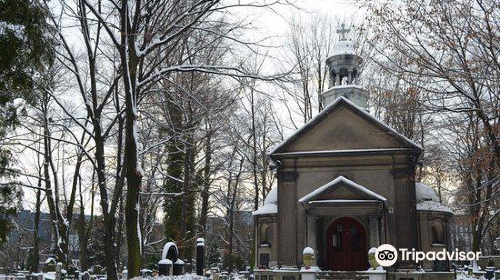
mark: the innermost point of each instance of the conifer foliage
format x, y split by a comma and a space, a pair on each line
25, 51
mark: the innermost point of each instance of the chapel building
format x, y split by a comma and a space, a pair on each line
346, 183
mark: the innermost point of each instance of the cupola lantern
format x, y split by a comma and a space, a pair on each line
343, 68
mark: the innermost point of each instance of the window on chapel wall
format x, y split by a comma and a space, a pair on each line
266, 234
437, 232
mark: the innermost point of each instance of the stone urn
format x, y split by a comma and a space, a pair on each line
308, 257
371, 258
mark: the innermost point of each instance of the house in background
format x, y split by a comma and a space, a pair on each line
346, 183
21, 241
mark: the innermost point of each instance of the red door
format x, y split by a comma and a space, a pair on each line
346, 245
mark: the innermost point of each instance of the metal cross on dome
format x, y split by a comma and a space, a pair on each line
343, 32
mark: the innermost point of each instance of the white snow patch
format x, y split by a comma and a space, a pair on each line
343, 47
308, 251
347, 86
464, 276
427, 200
378, 269
424, 192
165, 261
18, 102
139, 234
180, 277
49, 276
433, 206
338, 180
270, 204
266, 209
167, 247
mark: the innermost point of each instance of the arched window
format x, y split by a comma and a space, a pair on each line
343, 76
437, 232
266, 234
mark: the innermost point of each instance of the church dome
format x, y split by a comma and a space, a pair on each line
425, 193
343, 47
272, 196
427, 199
270, 204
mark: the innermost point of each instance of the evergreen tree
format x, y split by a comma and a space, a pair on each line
25, 52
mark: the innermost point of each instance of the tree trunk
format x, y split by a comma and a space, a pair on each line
35, 259
58, 225
175, 159
254, 153
134, 180
82, 230
206, 183
187, 206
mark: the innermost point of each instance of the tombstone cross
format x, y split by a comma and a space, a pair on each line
343, 31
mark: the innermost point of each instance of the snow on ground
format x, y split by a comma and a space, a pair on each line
180, 277
464, 276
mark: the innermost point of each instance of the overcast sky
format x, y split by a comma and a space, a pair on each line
267, 23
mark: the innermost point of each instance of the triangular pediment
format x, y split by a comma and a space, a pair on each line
341, 189
343, 126
342, 192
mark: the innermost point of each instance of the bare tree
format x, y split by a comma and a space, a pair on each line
448, 51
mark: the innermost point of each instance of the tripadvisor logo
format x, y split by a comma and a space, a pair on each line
387, 255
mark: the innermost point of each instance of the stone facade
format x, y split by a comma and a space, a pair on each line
344, 176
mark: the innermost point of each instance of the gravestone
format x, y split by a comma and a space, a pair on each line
59, 271
200, 256
164, 267
178, 267
49, 265
86, 275
170, 252
169, 257
125, 274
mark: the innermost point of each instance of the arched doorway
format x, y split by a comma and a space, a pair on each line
346, 245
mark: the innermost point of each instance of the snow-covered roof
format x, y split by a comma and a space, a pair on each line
333, 184
347, 86
424, 192
343, 47
270, 204
433, 206
325, 112
427, 199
